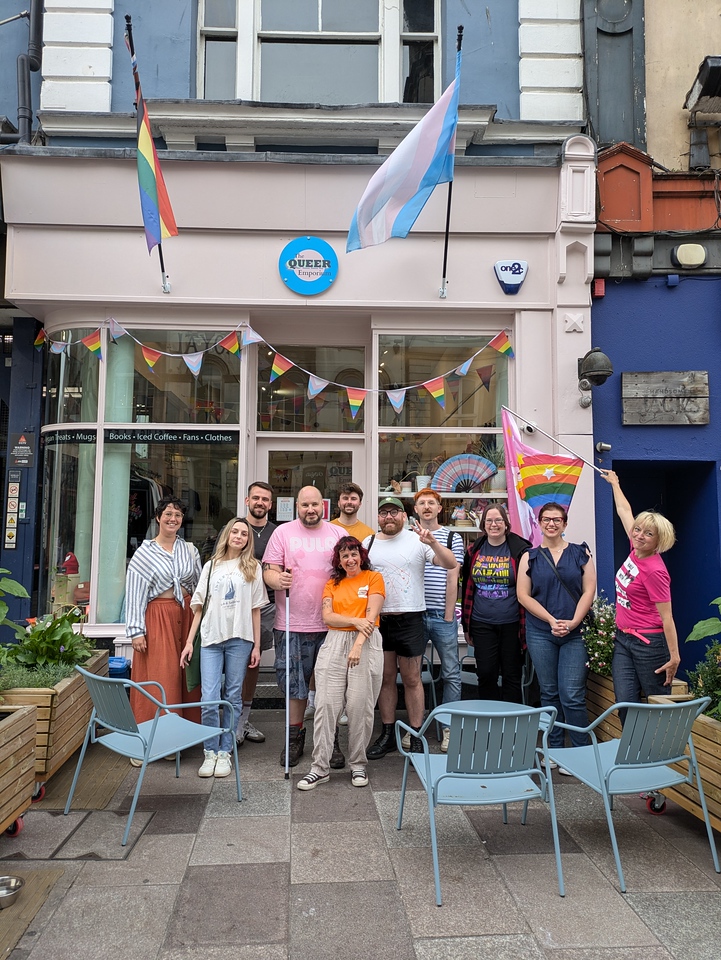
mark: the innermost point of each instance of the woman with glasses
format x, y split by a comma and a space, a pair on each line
556, 585
645, 655
491, 614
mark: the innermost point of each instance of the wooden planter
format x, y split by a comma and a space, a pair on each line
17, 761
63, 712
707, 744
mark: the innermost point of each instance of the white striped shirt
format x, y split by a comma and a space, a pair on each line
151, 572
436, 578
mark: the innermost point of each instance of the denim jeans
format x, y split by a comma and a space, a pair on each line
561, 669
444, 637
633, 666
497, 650
230, 657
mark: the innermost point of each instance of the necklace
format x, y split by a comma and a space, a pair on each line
258, 530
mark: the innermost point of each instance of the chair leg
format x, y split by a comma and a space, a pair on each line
607, 805
550, 797
77, 770
237, 770
434, 848
709, 828
135, 800
524, 813
403, 793
505, 813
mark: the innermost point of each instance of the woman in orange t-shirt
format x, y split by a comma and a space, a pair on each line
349, 668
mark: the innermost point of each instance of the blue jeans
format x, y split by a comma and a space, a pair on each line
560, 664
633, 666
444, 637
230, 657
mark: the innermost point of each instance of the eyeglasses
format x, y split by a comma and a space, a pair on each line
495, 523
552, 520
393, 512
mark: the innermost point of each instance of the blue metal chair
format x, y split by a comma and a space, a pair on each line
165, 734
490, 760
654, 735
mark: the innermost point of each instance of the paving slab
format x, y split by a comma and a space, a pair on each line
387, 774
479, 948
348, 921
99, 836
260, 799
172, 813
575, 801
44, 833
535, 836
614, 953
243, 840
688, 924
154, 859
452, 825
160, 777
212, 910
338, 853
334, 801
254, 951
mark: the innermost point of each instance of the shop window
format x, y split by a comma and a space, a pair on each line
284, 406
285, 50
71, 383
198, 467
169, 393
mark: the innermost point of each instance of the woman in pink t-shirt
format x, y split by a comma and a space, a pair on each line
645, 656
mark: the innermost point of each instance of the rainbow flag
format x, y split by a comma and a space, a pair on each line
356, 396
280, 366
92, 342
501, 343
437, 390
151, 356
158, 218
230, 343
40, 339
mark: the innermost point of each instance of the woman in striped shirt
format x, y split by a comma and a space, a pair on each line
161, 578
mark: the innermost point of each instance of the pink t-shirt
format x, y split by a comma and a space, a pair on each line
641, 583
307, 552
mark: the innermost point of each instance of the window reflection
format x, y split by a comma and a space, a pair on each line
71, 383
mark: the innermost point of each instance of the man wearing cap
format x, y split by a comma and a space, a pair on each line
400, 556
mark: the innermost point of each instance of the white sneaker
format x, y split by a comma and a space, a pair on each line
564, 772
309, 711
223, 767
207, 768
551, 763
444, 741
343, 720
252, 733
406, 741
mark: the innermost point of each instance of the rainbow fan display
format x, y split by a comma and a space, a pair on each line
463, 473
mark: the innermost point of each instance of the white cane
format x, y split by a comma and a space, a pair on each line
287, 681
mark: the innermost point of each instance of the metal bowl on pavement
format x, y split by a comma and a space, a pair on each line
10, 888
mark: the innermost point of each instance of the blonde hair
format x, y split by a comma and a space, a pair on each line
663, 527
247, 564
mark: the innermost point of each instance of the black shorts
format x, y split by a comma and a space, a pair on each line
403, 634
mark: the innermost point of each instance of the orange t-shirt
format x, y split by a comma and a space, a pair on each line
350, 596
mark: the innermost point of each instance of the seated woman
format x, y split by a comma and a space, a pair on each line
349, 667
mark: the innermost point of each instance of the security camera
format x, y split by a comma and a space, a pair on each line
530, 427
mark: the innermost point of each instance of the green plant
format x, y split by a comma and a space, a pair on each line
47, 641
16, 675
492, 450
15, 589
599, 635
705, 680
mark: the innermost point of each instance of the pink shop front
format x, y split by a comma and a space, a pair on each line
119, 432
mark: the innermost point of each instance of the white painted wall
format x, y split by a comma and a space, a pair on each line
551, 67
77, 56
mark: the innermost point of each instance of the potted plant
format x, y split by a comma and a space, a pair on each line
599, 635
495, 454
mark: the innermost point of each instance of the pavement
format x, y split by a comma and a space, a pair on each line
325, 875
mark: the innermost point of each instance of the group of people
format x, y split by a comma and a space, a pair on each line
360, 608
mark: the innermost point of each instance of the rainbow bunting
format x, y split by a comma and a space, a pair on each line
315, 386
194, 361
92, 342
280, 366
57, 346
396, 398
501, 343
230, 343
485, 373
40, 339
437, 390
356, 396
464, 367
265, 421
298, 404
157, 212
116, 330
151, 356
250, 336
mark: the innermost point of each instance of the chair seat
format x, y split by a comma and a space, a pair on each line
581, 762
466, 790
171, 730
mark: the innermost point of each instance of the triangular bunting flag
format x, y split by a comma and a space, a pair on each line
194, 361
298, 404
230, 343
437, 390
272, 407
396, 398
250, 336
315, 386
319, 402
452, 383
57, 346
356, 396
280, 366
116, 330
501, 343
40, 339
464, 367
265, 421
92, 342
151, 356
485, 373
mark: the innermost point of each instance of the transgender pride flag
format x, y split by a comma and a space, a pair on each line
399, 189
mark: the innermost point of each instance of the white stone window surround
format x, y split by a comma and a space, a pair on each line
551, 60
77, 55
249, 37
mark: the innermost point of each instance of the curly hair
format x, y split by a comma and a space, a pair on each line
347, 543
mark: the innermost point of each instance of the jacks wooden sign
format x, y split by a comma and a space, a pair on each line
665, 398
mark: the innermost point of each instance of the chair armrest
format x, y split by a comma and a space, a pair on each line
400, 725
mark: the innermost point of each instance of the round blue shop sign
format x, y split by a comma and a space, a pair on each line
308, 265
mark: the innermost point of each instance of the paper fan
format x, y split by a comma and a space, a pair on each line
462, 474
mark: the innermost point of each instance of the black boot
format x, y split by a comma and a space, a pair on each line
337, 760
295, 750
384, 744
416, 744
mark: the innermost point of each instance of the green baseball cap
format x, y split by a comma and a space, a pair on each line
391, 502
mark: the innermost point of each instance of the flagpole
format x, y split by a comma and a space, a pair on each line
444, 281
553, 440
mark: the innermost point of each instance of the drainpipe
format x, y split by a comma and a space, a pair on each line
27, 63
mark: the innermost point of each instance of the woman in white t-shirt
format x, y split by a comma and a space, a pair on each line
232, 580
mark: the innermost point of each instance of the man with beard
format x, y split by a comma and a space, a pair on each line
350, 498
400, 556
258, 503
298, 559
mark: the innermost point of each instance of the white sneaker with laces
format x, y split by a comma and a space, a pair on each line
223, 766
406, 741
343, 720
444, 741
252, 733
207, 768
309, 711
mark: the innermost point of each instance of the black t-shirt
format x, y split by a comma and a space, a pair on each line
261, 536
494, 600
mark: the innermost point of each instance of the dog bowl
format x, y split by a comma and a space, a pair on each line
10, 888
